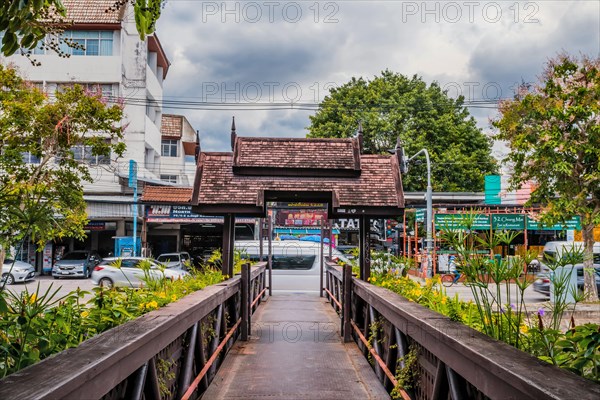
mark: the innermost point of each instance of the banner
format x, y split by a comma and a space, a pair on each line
184, 214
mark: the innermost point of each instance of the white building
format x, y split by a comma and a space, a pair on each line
125, 69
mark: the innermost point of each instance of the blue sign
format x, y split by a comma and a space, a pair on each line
132, 174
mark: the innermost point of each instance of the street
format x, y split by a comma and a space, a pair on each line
65, 286
68, 285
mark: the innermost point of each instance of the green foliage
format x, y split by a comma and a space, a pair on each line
407, 372
499, 311
36, 325
393, 105
44, 201
553, 133
147, 13
26, 23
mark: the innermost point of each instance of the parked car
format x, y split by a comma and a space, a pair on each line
177, 260
20, 272
76, 264
130, 274
542, 283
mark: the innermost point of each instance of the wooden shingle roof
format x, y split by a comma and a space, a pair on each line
293, 156
376, 191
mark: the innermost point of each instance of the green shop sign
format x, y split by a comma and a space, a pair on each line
573, 223
508, 221
460, 221
499, 222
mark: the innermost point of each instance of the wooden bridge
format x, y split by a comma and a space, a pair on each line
231, 341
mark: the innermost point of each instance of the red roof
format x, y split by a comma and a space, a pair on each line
93, 11
171, 125
167, 195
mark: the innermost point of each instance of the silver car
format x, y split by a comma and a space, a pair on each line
129, 274
20, 272
76, 264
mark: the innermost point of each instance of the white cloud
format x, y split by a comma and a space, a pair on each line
471, 45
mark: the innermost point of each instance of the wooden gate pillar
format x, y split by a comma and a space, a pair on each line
365, 247
228, 244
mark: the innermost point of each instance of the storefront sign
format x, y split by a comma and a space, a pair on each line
420, 215
352, 224
499, 222
461, 221
508, 221
184, 214
300, 217
573, 223
94, 226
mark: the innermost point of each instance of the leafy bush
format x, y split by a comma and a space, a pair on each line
35, 325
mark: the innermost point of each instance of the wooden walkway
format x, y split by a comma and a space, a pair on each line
295, 352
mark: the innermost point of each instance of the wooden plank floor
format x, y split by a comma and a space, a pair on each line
295, 352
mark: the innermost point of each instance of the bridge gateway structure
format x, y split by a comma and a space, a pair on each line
293, 346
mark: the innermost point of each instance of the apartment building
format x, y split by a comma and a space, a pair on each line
132, 71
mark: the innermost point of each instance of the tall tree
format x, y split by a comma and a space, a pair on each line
393, 105
553, 131
25, 23
41, 194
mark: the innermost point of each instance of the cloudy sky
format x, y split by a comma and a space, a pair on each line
258, 56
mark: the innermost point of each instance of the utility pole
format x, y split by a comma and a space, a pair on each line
404, 166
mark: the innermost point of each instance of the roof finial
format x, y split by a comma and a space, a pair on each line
359, 136
233, 134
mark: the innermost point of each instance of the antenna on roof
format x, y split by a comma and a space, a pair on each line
233, 134
359, 136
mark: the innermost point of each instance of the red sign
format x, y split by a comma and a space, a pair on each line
300, 217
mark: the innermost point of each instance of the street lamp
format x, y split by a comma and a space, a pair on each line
404, 165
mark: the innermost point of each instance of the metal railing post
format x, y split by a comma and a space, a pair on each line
347, 304
245, 301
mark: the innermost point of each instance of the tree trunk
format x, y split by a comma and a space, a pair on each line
589, 280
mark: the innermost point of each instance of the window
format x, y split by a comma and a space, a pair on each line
169, 178
30, 158
84, 154
169, 147
105, 88
95, 43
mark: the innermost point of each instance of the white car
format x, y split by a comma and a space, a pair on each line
21, 271
175, 260
130, 274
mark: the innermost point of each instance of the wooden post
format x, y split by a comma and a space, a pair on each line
321, 255
270, 255
330, 226
405, 253
228, 244
365, 247
245, 301
261, 223
347, 304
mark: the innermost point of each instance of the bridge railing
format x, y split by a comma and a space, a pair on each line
170, 353
449, 360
